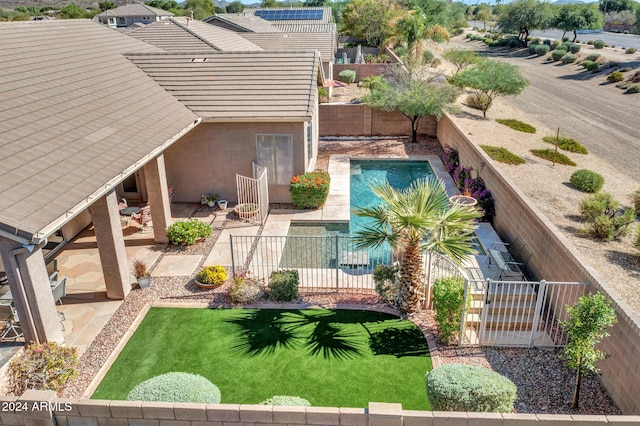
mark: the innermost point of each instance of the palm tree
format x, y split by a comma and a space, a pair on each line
416, 220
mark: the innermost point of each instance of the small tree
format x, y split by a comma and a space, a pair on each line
414, 95
461, 59
524, 16
586, 326
490, 79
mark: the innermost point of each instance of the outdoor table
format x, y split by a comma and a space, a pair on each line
128, 211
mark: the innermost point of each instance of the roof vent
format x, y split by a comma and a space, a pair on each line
198, 60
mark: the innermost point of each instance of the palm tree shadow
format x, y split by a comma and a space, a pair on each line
399, 342
262, 332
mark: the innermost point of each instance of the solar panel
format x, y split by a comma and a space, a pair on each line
290, 14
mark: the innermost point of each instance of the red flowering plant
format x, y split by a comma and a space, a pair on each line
309, 190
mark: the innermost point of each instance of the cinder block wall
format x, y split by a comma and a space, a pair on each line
42, 408
362, 120
555, 260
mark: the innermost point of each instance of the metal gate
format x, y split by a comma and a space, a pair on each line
521, 314
253, 195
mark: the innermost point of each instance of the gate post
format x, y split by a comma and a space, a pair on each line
464, 311
485, 308
536, 316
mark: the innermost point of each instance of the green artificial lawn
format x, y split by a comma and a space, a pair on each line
567, 144
551, 155
502, 155
517, 125
335, 358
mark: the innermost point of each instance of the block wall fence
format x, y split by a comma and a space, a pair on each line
362, 120
554, 259
42, 408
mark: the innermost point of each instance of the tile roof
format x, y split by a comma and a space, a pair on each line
180, 34
326, 14
323, 42
305, 27
239, 86
243, 21
75, 114
135, 9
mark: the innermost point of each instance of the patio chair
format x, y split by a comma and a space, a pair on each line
12, 321
143, 218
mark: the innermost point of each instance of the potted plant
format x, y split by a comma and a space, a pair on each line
141, 273
211, 277
246, 210
209, 199
222, 204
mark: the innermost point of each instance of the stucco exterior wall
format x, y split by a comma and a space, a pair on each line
554, 259
207, 159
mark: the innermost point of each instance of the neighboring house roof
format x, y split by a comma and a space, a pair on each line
323, 42
241, 86
243, 22
293, 15
180, 34
305, 28
77, 118
135, 9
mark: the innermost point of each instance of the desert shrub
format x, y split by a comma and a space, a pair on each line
567, 144
631, 50
286, 400
541, 49
625, 69
635, 199
590, 42
322, 92
615, 77
469, 35
283, 285
42, 366
517, 125
427, 57
384, 276
605, 219
436, 63
214, 275
551, 155
598, 44
536, 40
478, 100
554, 44
458, 387
593, 57
502, 155
569, 58
246, 289
586, 180
450, 159
176, 387
633, 89
514, 42
624, 85
448, 302
186, 232
556, 55
635, 78
348, 76
589, 65
309, 190
636, 243
573, 47
532, 49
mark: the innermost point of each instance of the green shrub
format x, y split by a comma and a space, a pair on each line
547, 42
427, 57
214, 275
448, 302
556, 55
283, 285
615, 77
586, 180
502, 155
42, 366
589, 65
598, 44
458, 387
384, 276
551, 155
590, 42
286, 400
186, 232
348, 76
541, 49
569, 58
555, 44
517, 125
635, 199
322, 92
631, 50
477, 100
309, 190
636, 243
514, 42
469, 35
605, 219
593, 57
633, 89
246, 289
573, 47
566, 144
176, 387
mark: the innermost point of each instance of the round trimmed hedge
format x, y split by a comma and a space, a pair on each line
586, 180
286, 400
176, 387
458, 387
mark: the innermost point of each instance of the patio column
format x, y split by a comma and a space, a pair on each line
31, 291
110, 240
155, 177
